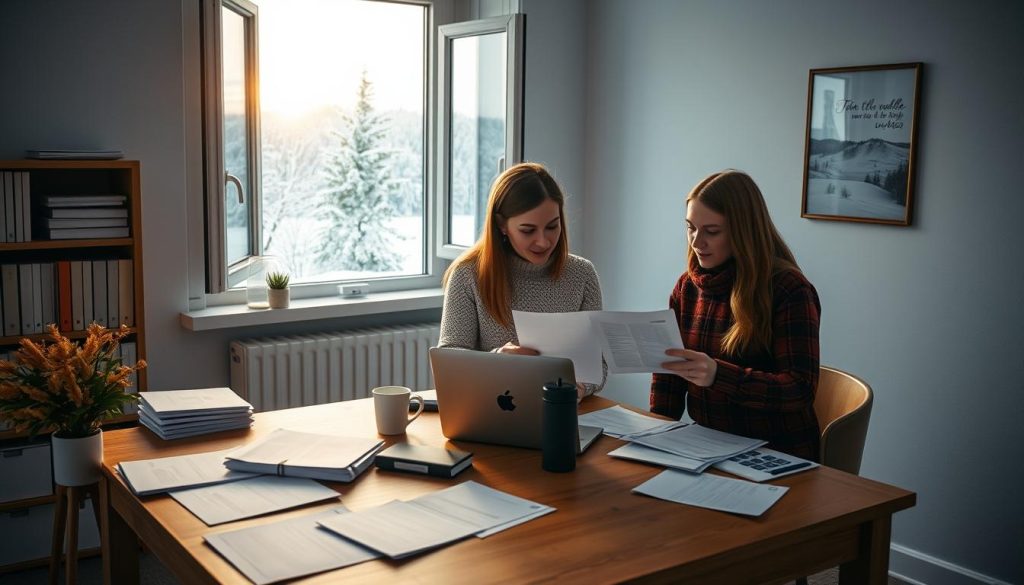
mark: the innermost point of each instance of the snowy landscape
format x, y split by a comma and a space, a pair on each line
858, 179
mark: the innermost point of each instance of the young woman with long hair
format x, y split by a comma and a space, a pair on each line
749, 321
521, 261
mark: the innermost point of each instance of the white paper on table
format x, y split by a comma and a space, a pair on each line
567, 335
152, 476
658, 457
288, 549
713, 492
227, 502
399, 529
618, 422
699, 442
635, 342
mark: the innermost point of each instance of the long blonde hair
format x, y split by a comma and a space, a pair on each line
519, 189
759, 253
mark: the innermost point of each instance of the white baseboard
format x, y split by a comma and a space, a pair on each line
917, 568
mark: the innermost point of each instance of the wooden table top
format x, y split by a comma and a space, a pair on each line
601, 531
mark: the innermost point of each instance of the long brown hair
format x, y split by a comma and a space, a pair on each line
759, 253
519, 189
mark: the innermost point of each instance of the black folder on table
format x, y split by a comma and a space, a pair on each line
436, 461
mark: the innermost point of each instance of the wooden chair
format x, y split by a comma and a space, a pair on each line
843, 405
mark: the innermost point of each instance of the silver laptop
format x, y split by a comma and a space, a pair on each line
497, 398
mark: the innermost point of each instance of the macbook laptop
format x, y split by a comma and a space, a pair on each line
498, 398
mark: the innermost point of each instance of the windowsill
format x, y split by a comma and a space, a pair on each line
229, 316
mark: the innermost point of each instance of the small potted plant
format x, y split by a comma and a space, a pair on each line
278, 292
68, 388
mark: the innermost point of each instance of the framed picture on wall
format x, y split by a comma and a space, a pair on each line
861, 143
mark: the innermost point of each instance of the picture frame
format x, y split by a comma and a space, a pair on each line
861, 143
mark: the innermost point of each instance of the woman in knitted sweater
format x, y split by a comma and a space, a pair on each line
749, 321
521, 261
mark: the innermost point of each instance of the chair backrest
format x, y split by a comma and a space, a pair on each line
843, 405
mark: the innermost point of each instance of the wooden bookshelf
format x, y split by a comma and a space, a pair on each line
45, 178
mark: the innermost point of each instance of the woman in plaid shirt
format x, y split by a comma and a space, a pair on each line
749, 321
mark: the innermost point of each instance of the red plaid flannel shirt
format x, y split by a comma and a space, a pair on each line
764, 395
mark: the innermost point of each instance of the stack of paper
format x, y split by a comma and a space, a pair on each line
691, 447
154, 476
297, 454
400, 529
618, 422
173, 414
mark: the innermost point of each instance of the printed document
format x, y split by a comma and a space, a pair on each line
400, 529
617, 421
566, 335
713, 492
658, 457
153, 476
288, 549
635, 342
697, 442
227, 502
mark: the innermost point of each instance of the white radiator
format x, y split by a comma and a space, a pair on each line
284, 372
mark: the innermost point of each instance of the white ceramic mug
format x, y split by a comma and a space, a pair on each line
391, 406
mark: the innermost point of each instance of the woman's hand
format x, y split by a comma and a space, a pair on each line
513, 348
693, 366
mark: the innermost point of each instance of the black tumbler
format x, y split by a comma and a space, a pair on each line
560, 427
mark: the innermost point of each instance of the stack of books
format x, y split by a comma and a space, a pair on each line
84, 217
174, 414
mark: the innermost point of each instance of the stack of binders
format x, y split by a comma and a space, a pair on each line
174, 414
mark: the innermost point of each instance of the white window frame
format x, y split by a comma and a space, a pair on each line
512, 26
209, 278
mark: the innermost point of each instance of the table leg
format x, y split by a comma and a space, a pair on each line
60, 515
71, 557
872, 567
117, 535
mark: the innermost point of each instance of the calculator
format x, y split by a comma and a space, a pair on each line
763, 464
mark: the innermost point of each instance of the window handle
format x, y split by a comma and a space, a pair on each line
501, 164
229, 178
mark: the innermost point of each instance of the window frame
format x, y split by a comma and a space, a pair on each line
513, 27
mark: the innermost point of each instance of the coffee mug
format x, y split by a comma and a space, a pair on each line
391, 406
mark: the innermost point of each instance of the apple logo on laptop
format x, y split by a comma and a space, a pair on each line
505, 401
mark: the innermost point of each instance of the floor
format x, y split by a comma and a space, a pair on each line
90, 572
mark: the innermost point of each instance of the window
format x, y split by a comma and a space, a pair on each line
318, 140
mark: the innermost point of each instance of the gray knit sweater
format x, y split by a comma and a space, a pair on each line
465, 322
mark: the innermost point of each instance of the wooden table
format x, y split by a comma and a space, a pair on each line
601, 532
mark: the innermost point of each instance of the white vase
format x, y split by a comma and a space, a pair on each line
279, 297
77, 461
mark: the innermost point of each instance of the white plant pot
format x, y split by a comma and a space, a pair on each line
279, 297
77, 461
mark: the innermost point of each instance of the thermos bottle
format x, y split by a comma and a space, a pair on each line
560, 427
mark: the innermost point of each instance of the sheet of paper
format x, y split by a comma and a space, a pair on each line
658, 457
152, 476
697, 442
711, 491
617, 421
288, 549
635, 342
568, 335
227, 502
399, 529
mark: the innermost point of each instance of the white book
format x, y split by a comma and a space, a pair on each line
49, 293
77, 312
87, 213
112, 294
125, 292
154, 476
316, 456
84, 200
86, 233
86, 222
99, 291
88, 305
37, 298
27, 326
26, 205
8, 192
19, 212
12, 320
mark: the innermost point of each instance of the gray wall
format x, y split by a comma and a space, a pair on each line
930, 315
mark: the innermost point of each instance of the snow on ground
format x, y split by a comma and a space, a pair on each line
865, 200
